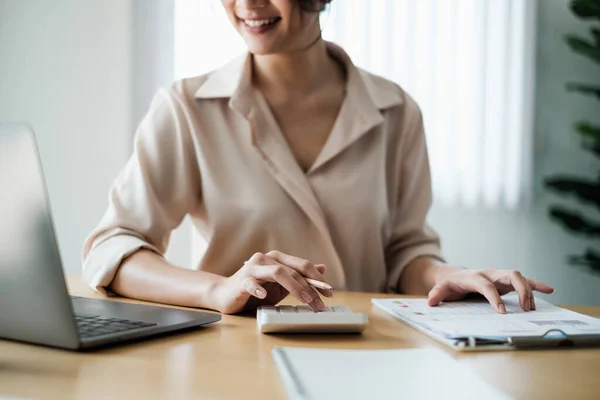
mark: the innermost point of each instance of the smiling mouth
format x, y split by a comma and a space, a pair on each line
261, 23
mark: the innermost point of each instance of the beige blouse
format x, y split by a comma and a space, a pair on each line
211, 148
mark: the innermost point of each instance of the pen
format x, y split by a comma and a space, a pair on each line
318, 284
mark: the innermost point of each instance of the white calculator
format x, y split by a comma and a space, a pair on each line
335, 319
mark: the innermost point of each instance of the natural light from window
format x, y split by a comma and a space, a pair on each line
468, 63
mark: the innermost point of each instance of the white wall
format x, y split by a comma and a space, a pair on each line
65, 67
527, 240
83, 73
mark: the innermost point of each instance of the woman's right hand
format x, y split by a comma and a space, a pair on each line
266, 279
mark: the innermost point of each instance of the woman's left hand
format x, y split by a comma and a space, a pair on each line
490, 283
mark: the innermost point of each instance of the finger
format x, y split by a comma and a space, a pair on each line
325, 292
437, 294
540, 287
252, 286
283, 275
305, 267
531, 295
258, 259
316, 304
306, 294
484, 286
519, 283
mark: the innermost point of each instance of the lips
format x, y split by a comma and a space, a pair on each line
258, 26
255, 23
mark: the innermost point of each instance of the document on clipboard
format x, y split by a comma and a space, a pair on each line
474, 325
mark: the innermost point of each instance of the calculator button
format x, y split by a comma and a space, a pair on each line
269, 309
287, 309
341, 309
304, 309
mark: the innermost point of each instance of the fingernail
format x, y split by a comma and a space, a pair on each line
319, 304
260, 293
502, 308
533, 303
306, 297
527, 305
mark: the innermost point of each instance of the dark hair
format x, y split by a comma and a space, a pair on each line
313, 5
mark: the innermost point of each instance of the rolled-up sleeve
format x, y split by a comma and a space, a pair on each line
411, 237
150, 197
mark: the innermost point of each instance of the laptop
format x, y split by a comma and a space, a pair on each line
35, 306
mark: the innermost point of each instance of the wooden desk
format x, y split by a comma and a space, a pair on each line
229, 359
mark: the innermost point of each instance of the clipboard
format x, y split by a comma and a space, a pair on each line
551, 338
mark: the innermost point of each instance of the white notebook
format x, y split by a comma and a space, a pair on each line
376, 374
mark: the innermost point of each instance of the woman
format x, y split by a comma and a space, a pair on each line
285, 158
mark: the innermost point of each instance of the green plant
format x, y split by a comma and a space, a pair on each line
586, 190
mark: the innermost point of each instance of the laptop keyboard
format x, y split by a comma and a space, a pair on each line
93, 325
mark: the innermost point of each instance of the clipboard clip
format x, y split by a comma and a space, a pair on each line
551, 338
553, 332
554, 338
472, 342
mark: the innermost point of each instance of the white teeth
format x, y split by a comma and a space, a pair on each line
255, 23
